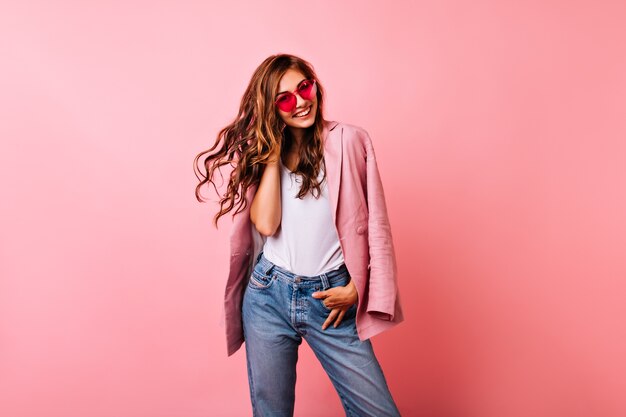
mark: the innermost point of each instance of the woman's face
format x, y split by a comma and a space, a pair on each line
290, 82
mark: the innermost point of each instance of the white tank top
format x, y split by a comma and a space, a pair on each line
306, 242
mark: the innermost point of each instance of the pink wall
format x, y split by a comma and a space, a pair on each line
500, 133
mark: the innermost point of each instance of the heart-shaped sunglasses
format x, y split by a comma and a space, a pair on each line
287, 101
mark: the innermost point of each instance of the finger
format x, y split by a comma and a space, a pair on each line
330, 319
320, 294
339, 318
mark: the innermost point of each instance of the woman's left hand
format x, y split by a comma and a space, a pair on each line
339, 299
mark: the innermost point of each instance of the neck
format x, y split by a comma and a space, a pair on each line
297, 138
297, 134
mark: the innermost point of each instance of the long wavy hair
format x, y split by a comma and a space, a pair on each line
247, 143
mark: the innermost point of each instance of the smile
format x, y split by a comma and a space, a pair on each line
303, 113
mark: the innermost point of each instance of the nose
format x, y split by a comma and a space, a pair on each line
299, 101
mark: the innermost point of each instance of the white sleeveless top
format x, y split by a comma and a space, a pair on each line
306, 242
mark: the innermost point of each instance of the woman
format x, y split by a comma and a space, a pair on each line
311, 250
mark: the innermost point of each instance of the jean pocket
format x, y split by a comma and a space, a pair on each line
341, 282
261, 281
352, 307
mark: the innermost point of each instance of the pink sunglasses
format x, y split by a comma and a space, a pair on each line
287, 101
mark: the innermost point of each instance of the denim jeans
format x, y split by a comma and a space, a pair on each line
278, 311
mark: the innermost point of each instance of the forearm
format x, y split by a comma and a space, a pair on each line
265, 212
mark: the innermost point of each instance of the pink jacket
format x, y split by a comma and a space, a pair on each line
360, 213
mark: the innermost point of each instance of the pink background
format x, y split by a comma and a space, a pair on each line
500, 133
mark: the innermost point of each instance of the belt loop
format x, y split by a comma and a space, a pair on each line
266, 264
325, 283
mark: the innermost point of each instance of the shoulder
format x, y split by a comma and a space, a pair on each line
351, 130
354, 134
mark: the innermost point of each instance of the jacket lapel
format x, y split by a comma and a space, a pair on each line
333, 158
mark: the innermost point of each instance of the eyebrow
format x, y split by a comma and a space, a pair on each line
304, 79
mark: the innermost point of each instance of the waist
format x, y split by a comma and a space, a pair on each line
268, 266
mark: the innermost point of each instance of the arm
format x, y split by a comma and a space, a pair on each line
383, 268
265, 211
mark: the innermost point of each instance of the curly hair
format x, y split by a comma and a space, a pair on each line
248, 142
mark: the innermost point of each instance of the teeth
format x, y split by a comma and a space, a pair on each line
304, 113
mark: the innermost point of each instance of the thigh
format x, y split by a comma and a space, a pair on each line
350, 363
271, 347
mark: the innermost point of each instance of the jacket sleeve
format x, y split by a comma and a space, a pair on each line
383, 288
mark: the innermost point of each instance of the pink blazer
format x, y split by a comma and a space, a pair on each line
360, 213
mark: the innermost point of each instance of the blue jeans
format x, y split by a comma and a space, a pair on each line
278, 311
